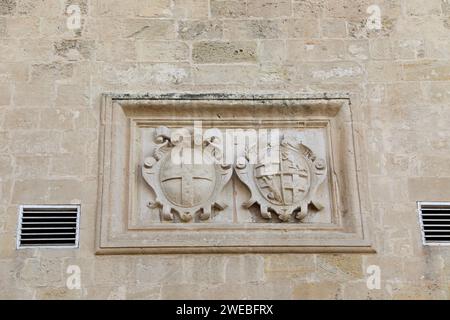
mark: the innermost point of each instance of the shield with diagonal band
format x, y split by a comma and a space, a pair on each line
286, 182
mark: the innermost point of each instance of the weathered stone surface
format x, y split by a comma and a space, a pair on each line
199, 30
333, 28
153, 9
162, 51
224, 52
255, 29
228, 8
429, 188
191, 9
317, 290
268, 8
219, 74
8, 7
289, 267
149, 29
21, 119
52, 78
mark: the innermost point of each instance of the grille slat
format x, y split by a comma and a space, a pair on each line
48, 226
435, 222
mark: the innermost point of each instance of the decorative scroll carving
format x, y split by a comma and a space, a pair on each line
288, 186
185, 188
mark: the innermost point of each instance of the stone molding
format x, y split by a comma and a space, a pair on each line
130, 176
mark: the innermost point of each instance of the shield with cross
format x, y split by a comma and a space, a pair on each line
187, 185
287, 186
184, 188
290, 181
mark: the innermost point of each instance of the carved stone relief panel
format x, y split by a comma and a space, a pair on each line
215, 173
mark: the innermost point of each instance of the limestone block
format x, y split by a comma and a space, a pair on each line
209, 269
357, 28
426, 70
40, 8
180, 292
21, 119
381, 49
103, 28
428, 188
272, 51
445, 7
70, 96
31, 166
245, 268
57, 27
22, 27
51, 72
144, 292
219, 74
116, 51
5, 95
8, 7
74, 50
409, 49
255, 29
269, 8
423, 290
199, 29
43, 272
83, 4
153, 9
228, 8
333, 28
164, 270
315, 50
278, 267
10, 50
340, 266
328, 290
68, 165
191, 9
35, 142
145, 74
307, 9
358, 290
437, 92
303, 28
158, 51
6, 166
58, 293
382, 71
419, 8
51, 85
14, 72
331, 72
224, 52
6, 186
149, 29
403, 94
437, 48
114, 271
58, 191
112, 8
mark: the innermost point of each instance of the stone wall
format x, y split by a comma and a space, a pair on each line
52, 78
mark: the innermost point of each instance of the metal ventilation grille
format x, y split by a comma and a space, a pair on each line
435, 222
48, 226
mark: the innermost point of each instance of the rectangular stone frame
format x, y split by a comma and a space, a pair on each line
349, 233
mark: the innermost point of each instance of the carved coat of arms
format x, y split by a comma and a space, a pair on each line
286, 186
184, 188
